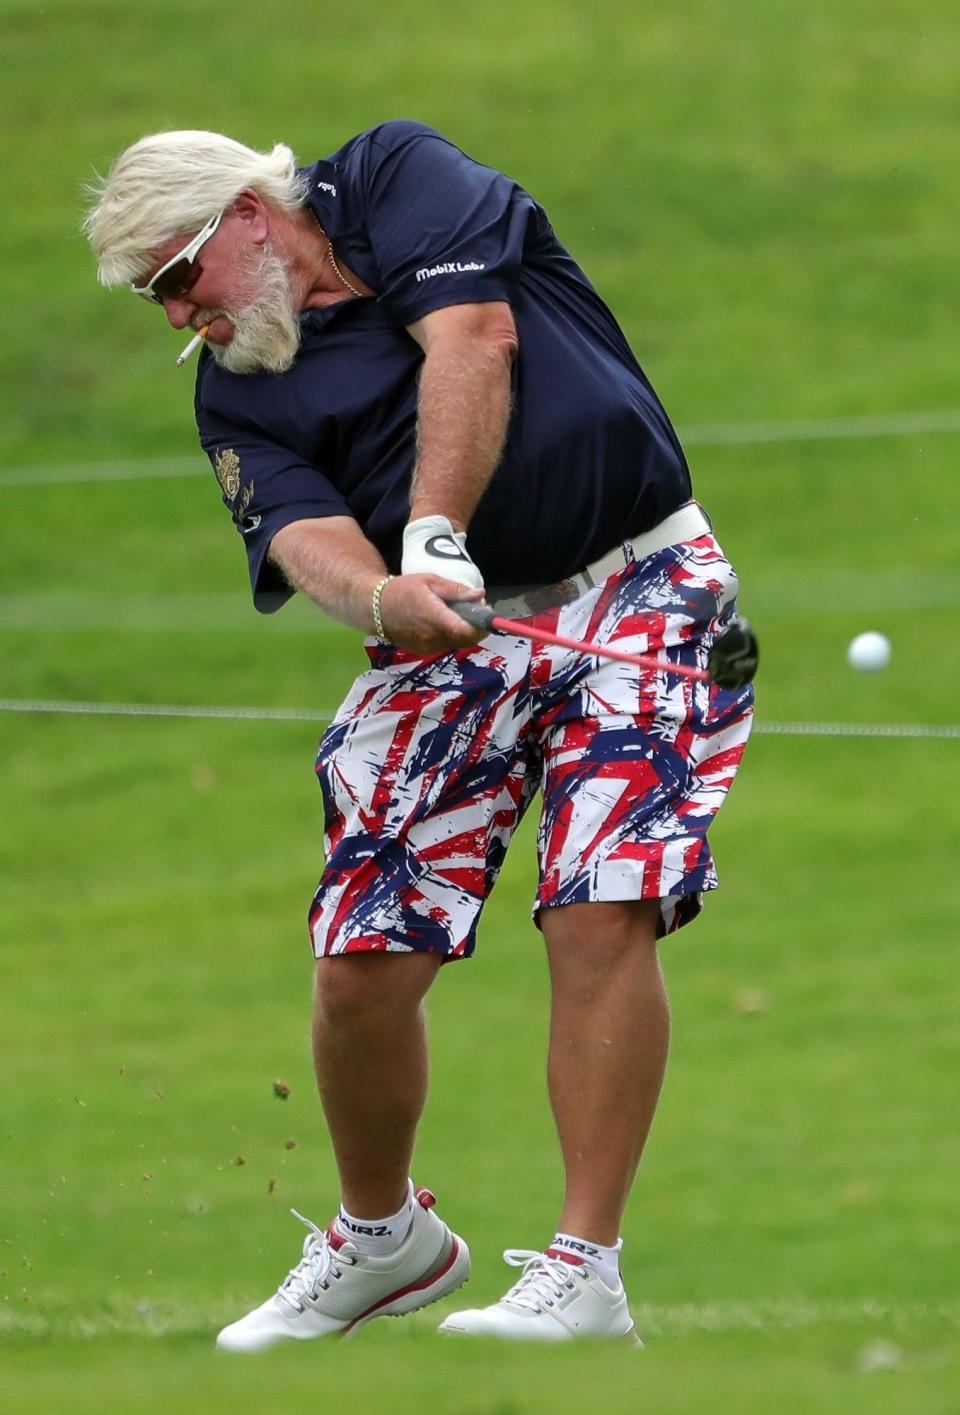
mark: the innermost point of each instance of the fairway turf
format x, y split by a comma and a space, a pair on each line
766, 195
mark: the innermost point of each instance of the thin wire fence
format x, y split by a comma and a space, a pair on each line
706, 435
696, 435
915, 730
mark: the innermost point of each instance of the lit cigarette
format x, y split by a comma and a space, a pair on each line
198, 338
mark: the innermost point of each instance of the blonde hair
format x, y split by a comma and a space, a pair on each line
170, 184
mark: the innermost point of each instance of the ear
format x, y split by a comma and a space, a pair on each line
251, 209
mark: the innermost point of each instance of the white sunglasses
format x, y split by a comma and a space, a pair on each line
181, 272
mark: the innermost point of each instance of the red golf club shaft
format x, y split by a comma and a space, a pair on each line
642, 660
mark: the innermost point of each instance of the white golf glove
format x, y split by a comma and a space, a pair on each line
432, 547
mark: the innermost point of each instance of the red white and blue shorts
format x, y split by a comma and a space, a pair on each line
431, 762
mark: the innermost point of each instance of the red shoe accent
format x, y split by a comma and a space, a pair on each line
565, 1256
335, 1239
402, 1291
425, 1198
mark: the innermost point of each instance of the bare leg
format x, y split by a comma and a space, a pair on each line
609, 1036
370, 1056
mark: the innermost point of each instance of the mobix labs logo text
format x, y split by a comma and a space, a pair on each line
450, 267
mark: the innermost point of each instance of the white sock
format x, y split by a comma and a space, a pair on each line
377, 1235
604, 1261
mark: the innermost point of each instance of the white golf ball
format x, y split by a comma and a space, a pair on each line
869, 652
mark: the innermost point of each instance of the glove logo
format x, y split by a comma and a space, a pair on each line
445, 548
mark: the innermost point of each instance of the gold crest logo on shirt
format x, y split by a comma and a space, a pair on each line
226, 464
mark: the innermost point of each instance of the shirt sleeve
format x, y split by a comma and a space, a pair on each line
265, 486
444, 229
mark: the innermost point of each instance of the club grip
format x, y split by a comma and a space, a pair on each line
480, 616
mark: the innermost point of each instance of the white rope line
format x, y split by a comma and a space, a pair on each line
696, 435
816, 429
859, 729
247, 714
871, 594
129, 469
940, 731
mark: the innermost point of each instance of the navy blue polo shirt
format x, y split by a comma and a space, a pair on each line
590, 455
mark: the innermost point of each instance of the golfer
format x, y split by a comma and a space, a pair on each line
411, 394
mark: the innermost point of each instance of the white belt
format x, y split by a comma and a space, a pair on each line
686, 523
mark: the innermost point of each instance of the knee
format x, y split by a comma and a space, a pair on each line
607, 952
352, 987
602, 931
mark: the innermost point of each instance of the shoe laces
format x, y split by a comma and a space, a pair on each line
544, 1279
320, 1265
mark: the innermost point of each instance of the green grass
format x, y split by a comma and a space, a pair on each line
766, 194
807, 1369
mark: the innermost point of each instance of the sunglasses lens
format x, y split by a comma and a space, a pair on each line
182, 274
176, 281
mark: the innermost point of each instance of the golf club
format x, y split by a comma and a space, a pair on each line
732, 662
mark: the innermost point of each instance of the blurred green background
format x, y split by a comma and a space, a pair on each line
767, 196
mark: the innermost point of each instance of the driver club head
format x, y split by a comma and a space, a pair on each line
734, 657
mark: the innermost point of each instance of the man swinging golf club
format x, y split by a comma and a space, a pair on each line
411, 396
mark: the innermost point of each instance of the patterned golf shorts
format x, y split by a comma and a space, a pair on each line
431, 762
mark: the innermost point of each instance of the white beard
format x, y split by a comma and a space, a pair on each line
266, 331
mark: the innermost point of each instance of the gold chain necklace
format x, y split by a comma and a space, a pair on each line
338, 272
333, 260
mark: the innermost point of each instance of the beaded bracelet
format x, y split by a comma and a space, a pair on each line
378, 590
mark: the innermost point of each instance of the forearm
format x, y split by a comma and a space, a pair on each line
332, 562
462, 418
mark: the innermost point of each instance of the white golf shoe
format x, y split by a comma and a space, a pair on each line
335, 1289
556, 1299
